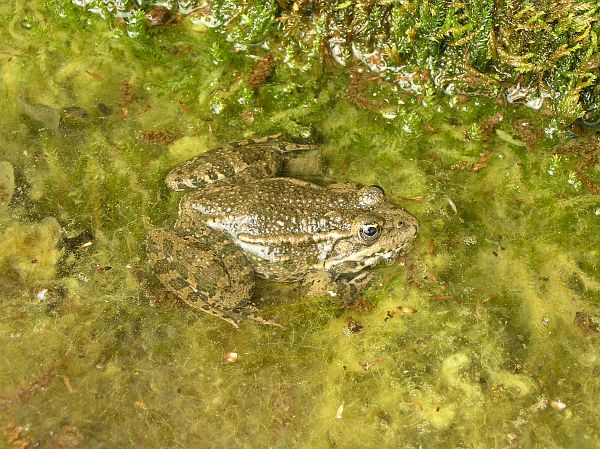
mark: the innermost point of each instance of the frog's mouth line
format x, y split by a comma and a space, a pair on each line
362, 259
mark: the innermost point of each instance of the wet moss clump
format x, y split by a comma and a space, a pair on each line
485, 334
542, 54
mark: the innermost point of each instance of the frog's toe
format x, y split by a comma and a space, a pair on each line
259, 319
234, 321
226, 315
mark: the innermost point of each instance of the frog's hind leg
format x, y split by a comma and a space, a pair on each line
207, 271
241, 276
234, 163
214, 277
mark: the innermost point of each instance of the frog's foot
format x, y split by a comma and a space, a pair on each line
226, 315
343, 291
250, 314
233, 317
209, 274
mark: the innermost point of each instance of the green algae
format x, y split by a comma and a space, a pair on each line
471, 341
7, 182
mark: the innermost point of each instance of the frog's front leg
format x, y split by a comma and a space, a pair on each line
207, 272
343, 291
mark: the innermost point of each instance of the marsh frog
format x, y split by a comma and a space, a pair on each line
240, 220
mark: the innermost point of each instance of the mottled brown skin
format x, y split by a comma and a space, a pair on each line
243, 221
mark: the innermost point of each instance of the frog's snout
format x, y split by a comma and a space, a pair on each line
407, 225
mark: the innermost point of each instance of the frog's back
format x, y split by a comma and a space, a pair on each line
272, 206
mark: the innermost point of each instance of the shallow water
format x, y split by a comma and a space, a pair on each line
484, 335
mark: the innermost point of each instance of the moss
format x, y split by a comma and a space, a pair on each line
528, 52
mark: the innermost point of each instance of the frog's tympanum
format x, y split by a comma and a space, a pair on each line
241, 220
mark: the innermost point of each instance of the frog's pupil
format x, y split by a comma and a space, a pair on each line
371, 231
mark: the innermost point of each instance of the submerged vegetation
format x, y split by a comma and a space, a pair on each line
486, 334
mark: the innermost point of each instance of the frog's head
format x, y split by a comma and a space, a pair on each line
379, 231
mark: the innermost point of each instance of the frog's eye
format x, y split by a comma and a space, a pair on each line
369, 232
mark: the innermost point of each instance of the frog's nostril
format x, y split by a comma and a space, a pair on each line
409, 223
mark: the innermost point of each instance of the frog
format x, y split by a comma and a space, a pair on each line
241, 219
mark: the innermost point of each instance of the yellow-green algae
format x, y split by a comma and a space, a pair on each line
472, 343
